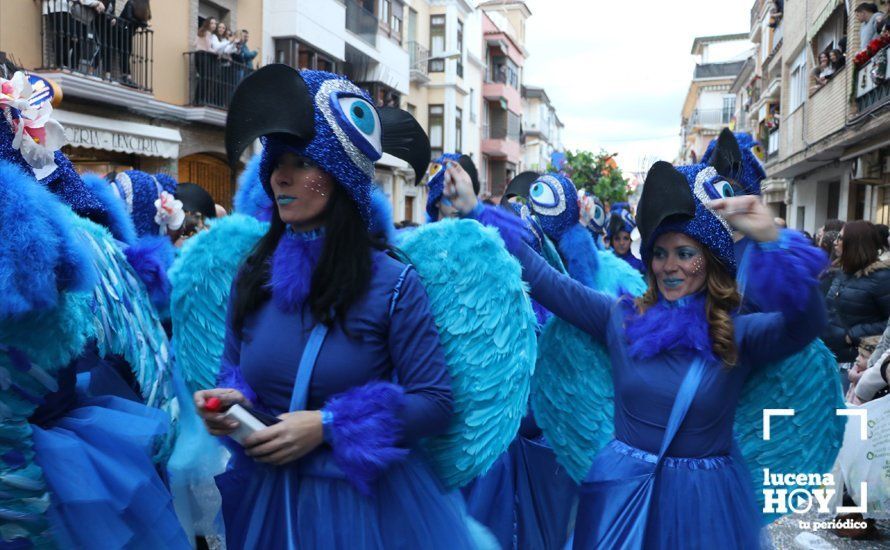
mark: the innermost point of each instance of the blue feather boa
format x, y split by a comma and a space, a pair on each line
365, 431
293, 262
667, 326
40, 254
151, 257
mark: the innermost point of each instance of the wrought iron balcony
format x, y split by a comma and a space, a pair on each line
79, 39
213, 79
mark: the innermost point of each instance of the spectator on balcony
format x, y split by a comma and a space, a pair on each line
221, 40
868, 15
244, 55
135, 15
68, 22
776, 13
822, 72
837, 60
204, 40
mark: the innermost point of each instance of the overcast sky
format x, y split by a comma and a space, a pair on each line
618, 71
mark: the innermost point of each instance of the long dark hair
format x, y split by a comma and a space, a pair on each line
341, 276
861, 246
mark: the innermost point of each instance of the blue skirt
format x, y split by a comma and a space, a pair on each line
526, 499
311, 505
105, 491
697, 502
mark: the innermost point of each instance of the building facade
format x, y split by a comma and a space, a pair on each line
826, 133
144, 98
710, 104
130, 92
541, 129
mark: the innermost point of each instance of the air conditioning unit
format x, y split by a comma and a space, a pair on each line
868, 166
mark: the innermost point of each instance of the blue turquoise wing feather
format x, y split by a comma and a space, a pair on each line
126, 323
807, 442
202, 278
488, 335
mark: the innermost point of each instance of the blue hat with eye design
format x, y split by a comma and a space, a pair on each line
326, 119
436, 184
675, 199
554, 199
620, 219
748, 172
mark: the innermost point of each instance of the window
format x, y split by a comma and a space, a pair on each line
437, 129
395, 25
458, 130
412, 25
385, 11
409, 208
412, 110
460, 48
798, 92
287, 51
437, 43
473, 113
504, 71
513, 126
728, 109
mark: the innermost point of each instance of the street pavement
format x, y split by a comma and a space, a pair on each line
787, 534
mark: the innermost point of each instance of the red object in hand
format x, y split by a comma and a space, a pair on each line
214, 404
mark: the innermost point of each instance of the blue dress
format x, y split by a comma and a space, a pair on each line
95, 452
704, 497
384, 336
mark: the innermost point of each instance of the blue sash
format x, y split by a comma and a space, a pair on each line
614, 512
298, 401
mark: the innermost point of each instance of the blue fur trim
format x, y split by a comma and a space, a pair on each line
293, 262
230, 376
779, 275
579, 252
151, 257
513, 229
365, 430
117, 221
40, 254
250, 197
381, 216
668, 326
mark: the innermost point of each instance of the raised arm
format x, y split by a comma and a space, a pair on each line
782, 277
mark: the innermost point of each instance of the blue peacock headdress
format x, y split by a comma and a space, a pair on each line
435, 183
748, 172
325, 118
675, 200
554, 199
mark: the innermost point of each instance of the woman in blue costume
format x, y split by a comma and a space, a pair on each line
76, 469
340, 469
680, 356
618, 235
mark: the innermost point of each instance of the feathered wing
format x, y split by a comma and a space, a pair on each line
807, 442
202, 278
572, 395
127, 324
43, 327
572, 391
487, 328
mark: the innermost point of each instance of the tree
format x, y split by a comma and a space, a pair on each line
597, 174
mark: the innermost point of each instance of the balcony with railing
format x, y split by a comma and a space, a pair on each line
500, 135
772, 144
213, 79
361, 22
873, 82
418, 58
78, 39
713, 119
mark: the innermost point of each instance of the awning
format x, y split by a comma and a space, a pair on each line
108, 134
823, 16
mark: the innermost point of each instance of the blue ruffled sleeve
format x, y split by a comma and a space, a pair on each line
565, 297
782, 277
